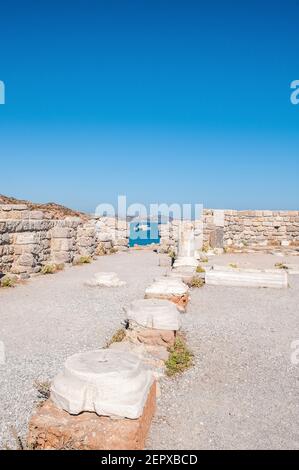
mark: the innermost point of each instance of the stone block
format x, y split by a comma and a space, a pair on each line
26, 238
216, 238
104, 237
154, 314
61, 257
62, 244
219, 218
53, 428
170, 289
61, 232
85, 241
36, 215
104, 382
185, 261
246, 278
26, 259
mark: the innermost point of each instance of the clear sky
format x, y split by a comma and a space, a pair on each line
164, 101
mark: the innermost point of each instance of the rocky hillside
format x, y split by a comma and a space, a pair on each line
56, 210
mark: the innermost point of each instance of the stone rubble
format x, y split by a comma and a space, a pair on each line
105, 279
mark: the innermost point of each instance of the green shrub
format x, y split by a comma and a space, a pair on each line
7, 281
180, 358
101, 250
82, 260
43, 389
233, 265
52, 268
200, 269
196, 282
118, 337
281, 266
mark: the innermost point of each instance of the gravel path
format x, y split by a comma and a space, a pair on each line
51, 317
243, 392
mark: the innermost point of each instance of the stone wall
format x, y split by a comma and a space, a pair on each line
31, 238
113, 233
251, 228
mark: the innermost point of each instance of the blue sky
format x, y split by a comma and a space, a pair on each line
164, 101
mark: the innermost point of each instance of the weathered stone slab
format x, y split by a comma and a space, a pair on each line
216, 238
186, 245
246, 278
171, 289
27, 238
185, 261
105, 279
154, 314
52, 428
102, 381
61, 232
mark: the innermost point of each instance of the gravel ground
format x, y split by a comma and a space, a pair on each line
243, 391
52, 317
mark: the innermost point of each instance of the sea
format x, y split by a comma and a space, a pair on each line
144, 233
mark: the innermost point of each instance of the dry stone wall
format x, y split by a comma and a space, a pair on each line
31, 238
251, 228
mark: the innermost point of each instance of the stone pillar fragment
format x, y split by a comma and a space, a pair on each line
102, 399
170, 289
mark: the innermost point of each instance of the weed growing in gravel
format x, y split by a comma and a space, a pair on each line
233, 265
82, 260
7, 281
281, 266
206, 248
200, 269
118, 337
180, 358
43, 390
101, 250
52, 268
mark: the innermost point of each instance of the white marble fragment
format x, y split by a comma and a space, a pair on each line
246, 278
156, 314
105, 382
105, 279
167, 286
185, 262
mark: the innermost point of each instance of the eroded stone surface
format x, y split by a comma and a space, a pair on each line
154, 314
105, 279
52, 428
185, 262
170, 289
247, 278
102, 381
